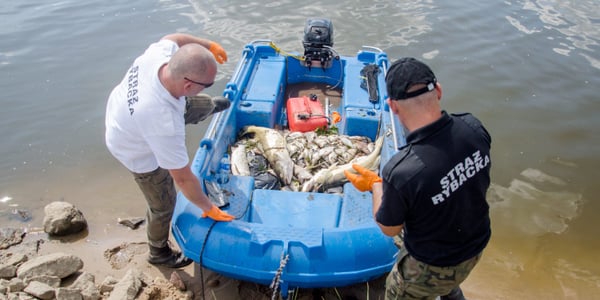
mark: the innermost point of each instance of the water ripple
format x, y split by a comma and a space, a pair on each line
236, 25
534, 210
575, 21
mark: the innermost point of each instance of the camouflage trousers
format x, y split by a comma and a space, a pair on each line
412, 279
159, 190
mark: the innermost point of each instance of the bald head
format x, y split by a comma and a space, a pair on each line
195, 61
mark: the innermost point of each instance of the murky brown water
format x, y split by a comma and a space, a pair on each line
530, 70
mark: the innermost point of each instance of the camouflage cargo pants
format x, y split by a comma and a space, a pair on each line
412, 279
159, 190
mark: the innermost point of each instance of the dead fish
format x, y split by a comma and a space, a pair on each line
239, 160
321, 141
349, 154
346, 142
292, 135
310, 136
275, 150
301, 173
295, 147
334, 175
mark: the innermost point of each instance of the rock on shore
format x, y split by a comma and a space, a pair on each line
24, 274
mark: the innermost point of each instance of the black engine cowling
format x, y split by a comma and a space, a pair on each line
318, 40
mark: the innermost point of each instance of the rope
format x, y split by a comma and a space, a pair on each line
202, 252
284, 53
206, 240
275, 283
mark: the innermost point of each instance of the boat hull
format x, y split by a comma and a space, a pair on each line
301, 239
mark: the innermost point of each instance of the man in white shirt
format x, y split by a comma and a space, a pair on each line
145, 130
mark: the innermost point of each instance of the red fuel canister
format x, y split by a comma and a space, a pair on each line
305, 114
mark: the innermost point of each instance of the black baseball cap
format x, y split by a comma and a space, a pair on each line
404, 73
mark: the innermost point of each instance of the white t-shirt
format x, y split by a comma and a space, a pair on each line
145, 128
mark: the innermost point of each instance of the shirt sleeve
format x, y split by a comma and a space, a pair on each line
392, 211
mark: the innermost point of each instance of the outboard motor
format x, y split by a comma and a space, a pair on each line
318, 40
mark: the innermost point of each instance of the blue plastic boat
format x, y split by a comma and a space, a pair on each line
299, 239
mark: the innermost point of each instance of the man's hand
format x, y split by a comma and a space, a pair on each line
218, 215
364, 180
218, 52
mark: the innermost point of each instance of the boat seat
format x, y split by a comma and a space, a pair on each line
283, 209
261, 104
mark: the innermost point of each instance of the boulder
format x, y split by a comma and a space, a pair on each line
58, 264
63, 218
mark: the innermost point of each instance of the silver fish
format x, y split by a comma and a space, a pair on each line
275, 151
334, 175
239, 160
347, 142
301, 173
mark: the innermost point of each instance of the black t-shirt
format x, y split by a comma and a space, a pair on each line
436, 186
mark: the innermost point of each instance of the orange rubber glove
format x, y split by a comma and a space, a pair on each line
364, 180
218, 52
218, 215
336, 117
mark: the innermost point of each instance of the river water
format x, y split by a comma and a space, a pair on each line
529, 69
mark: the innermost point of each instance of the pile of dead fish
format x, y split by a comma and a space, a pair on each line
302, 161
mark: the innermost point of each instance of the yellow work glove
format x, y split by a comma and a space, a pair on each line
218, 215
364, 180
218, 52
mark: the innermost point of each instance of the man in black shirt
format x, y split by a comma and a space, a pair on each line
432, 193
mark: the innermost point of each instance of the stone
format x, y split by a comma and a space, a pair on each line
57, 264
16, 259
177, 281
52, 281
40, 290
108, 284
20, 296
128, 286
68, 294
15, 285
86, 283
63, 218
8, 271
10, 236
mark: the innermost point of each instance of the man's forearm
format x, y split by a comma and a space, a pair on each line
377, 194
190, 187
184, 38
